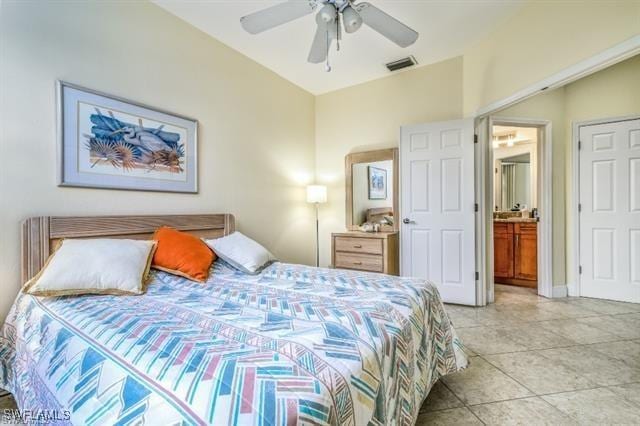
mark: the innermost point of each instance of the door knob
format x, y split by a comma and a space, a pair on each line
407, 221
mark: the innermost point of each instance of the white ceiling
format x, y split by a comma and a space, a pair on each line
446, 29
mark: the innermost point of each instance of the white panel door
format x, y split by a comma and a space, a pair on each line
437, 207
610, 210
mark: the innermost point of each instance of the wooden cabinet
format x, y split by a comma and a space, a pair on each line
372, 252
526, 251
503, 250
515, 253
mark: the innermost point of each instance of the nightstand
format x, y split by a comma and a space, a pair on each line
366, 251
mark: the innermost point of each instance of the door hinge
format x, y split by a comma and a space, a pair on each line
580, 269
475, 207
579, 145
475, 138
579, 207
477, 276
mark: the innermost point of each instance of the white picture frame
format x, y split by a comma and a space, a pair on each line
377, 183
109, 142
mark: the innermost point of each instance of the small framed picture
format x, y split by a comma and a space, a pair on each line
109, 142
377, 183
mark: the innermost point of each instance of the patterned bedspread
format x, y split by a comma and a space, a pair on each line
292, 345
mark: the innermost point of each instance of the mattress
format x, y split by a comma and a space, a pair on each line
292, 345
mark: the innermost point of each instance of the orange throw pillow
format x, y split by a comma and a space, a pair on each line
182, 254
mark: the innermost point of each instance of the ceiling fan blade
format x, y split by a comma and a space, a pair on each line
386, 25
321, 43
279, 14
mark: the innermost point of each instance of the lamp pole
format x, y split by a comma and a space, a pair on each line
317, 237
317, 194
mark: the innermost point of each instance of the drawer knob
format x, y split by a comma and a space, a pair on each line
357, 246
357, 263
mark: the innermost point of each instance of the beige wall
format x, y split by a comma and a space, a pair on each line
612, 92
543, 38
256, 134
369, 116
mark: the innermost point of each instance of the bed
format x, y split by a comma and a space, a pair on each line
291, 345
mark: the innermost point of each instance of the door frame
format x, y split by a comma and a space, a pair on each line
613, 55
573, 283
544, 185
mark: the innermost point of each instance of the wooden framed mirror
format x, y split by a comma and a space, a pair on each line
372, 189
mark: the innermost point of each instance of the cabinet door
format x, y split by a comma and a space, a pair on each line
503, 250
526, 251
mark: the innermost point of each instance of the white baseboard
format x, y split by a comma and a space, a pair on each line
572, 290
559, 291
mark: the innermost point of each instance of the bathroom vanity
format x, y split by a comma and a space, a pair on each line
515, 251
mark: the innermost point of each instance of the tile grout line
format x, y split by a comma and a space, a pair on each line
556, 393
525, 323
512, 378
474, 414
464, 404
539, 396
530, 390
556, 347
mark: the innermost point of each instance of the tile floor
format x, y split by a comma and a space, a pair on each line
537, 361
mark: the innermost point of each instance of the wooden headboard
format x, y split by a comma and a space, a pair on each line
40, 234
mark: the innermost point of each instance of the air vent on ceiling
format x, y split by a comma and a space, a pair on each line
402, 63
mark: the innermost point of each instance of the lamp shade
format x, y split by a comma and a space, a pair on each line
316, 194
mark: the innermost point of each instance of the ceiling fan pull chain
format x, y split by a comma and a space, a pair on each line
327, 66
338, 32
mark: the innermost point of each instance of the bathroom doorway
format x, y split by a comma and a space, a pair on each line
515, 228
520, 251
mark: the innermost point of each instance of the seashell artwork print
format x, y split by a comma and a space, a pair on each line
128, 146
108, 142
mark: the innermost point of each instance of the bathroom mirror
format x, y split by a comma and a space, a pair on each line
372, 189
515, 168
515, 187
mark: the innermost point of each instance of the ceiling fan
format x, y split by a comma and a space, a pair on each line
328, 20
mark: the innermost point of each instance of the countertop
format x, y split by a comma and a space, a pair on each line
517, 219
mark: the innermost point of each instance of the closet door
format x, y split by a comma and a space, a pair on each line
610, 210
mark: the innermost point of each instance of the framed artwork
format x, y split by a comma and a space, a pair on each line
109, 142
377, 183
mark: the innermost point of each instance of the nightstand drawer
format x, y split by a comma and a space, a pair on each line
363, 262
358, 245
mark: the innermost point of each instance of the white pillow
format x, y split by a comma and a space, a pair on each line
94, 266
241, 252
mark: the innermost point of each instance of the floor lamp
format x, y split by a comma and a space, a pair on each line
317, 194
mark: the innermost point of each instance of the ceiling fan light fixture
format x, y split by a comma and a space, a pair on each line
328, 13
352, 20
